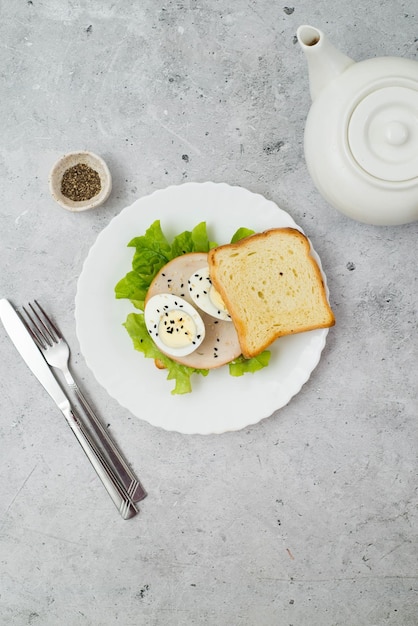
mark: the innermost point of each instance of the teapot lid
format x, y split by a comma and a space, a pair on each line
382, 132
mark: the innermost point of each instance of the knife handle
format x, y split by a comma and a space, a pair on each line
124, 472
115, 489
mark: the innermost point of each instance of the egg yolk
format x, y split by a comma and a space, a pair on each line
177, 329
216, 299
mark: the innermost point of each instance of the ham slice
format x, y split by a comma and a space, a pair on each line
221, 344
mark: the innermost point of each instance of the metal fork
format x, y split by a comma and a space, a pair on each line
57, 354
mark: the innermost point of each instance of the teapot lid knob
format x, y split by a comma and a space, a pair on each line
383, 133
396, 133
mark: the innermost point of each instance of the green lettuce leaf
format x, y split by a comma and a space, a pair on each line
241, 233
152, 252
241, 365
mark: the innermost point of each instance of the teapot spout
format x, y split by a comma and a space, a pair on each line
325, 62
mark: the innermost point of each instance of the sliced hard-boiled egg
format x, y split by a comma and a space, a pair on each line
221, 344
205, 296
175, 326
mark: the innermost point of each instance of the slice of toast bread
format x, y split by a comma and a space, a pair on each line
271, 286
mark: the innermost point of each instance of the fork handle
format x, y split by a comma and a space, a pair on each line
131, 483
117, 492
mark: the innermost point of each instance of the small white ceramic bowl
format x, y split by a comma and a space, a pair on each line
69, 160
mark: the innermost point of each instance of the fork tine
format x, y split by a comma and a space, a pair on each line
41, 326
37, 334
47, 323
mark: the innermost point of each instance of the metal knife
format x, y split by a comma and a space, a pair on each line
25, 345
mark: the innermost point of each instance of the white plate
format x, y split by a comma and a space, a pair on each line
218, 402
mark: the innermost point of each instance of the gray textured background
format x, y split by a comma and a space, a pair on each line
308, 518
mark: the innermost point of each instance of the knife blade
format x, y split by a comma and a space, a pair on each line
33, 358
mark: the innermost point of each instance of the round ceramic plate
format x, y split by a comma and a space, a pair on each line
218, 402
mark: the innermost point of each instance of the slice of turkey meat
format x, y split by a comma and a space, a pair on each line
220, 344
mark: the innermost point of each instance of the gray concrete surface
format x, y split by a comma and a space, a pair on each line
308, 518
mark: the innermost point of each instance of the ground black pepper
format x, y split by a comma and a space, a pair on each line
80, 182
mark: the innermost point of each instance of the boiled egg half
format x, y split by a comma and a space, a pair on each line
205, 296
174, 325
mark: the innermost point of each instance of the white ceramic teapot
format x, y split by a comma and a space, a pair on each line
361, 135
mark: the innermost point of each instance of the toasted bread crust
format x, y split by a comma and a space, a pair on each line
272, 286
